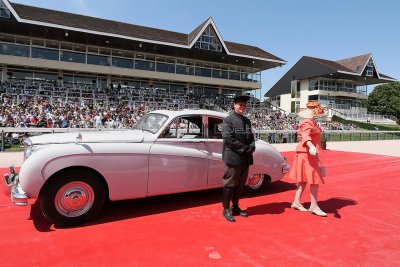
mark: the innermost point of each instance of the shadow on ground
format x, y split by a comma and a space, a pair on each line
330, 206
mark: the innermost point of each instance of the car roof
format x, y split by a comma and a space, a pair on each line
176, 113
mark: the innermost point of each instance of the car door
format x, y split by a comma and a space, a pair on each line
214, 145
178, 159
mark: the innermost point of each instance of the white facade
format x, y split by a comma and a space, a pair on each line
334, 95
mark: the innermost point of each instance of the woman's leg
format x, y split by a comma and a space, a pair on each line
314, 208
297, 197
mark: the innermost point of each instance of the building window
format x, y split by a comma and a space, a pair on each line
293, 107
122, 62
347, 86
21, 75
73, 57
313, 85
46, 77
144, 65
209, 40
4, 11
183, 69
98, 60
44, 53
80, 53
313, 98
14, 50
327, 85
369, 69
164, 67
210, 91
204, 72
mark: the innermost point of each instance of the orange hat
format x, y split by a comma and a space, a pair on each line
314, 110
313, 104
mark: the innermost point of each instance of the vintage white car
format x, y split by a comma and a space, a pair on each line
73, 174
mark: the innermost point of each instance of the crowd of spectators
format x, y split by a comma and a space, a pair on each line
265, 119
116, 108
40, 113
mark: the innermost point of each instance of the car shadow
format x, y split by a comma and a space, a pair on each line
330, 206
127, 209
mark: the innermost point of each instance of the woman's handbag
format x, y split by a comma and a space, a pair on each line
321, 167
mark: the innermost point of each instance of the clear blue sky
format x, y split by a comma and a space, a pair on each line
288, 29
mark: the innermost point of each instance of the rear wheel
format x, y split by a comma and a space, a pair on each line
256, 184
72, 197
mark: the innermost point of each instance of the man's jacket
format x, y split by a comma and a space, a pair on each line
238, 138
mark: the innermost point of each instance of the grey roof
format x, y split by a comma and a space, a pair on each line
65, 19
355, 64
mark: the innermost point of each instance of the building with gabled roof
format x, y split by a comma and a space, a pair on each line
43, 44
340, 85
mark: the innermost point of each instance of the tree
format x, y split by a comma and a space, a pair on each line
385, 99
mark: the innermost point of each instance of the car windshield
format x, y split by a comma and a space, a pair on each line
151, 122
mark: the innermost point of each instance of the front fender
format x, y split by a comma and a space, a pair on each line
267, 160
123, 166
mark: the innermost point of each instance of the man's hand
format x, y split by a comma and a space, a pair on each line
250, 149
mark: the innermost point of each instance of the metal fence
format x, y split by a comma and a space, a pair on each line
330, 135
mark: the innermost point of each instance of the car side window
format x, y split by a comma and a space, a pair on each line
185, 127
214, 128
170, 131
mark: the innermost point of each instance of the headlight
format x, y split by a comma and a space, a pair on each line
27, 148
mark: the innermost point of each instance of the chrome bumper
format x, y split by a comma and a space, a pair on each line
12, 188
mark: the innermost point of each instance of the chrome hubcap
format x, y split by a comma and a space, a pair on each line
255, 181
74, 199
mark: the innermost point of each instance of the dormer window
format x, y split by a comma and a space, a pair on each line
4, 11
209, 40
369, 69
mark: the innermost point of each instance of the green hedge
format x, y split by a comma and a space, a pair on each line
367, 126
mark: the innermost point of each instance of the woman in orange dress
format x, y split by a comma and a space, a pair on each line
305, 165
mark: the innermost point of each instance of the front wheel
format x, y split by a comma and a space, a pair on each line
72, 197
256, 184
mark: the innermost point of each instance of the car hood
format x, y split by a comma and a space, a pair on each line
128, 136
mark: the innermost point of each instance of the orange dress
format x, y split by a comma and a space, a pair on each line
305, 166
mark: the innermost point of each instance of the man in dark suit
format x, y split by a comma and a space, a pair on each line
237, 155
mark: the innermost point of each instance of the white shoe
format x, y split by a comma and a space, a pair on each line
298, 207
318, 212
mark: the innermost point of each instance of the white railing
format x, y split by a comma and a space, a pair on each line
362, 116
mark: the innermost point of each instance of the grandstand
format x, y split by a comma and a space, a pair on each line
37, 104
62, 59
339, 85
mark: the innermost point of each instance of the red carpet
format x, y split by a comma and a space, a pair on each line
361, 198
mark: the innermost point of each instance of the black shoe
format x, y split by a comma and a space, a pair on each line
228, 215
238, 211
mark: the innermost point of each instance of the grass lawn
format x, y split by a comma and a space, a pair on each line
13, 148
